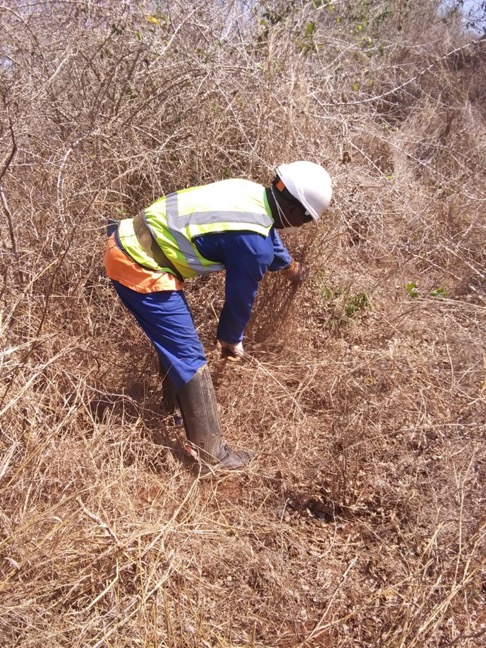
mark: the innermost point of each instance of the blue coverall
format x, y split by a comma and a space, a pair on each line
165, 316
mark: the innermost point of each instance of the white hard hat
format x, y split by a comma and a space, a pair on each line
309, 183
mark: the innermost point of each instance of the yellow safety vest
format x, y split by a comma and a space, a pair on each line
175, 220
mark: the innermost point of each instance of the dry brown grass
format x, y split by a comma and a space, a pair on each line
361, 520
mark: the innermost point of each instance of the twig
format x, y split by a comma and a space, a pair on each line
100, 522
402, 85
135, 608
318, 628
6, 164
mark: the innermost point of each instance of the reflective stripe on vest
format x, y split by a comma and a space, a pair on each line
175, 225
208, 209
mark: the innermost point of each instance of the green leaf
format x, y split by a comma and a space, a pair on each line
412, 289
310, 29
439, 292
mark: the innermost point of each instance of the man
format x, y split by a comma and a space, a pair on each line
227, 225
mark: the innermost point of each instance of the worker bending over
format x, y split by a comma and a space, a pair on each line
227, 225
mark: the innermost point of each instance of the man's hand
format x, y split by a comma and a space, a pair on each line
232, 352
296, 273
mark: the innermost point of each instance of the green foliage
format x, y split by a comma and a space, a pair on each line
412, 289
159, 19
344, 307
310, 30
357, 303
439, 292
307, 42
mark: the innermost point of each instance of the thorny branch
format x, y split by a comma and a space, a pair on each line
5, 166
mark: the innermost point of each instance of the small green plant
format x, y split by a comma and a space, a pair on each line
307, 42
439, 292
327, 293
412, 289
356, 304
344, 307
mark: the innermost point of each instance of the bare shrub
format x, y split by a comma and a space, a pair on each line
360, 522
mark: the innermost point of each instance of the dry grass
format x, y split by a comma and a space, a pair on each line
361, 520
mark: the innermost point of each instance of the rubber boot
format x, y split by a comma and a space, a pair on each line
201, 421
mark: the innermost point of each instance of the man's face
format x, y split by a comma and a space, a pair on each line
295, 215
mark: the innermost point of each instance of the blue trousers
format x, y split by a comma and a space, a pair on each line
167, 321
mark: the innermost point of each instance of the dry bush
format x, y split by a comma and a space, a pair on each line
361, 521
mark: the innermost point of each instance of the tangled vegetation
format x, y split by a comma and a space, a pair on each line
361, 521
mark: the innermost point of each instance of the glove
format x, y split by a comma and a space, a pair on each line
232, 352
296, 273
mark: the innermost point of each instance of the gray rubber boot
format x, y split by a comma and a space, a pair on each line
199, 409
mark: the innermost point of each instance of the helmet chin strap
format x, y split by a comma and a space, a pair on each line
283, 218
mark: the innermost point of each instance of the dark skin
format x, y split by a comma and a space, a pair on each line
296, 215
294, 212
